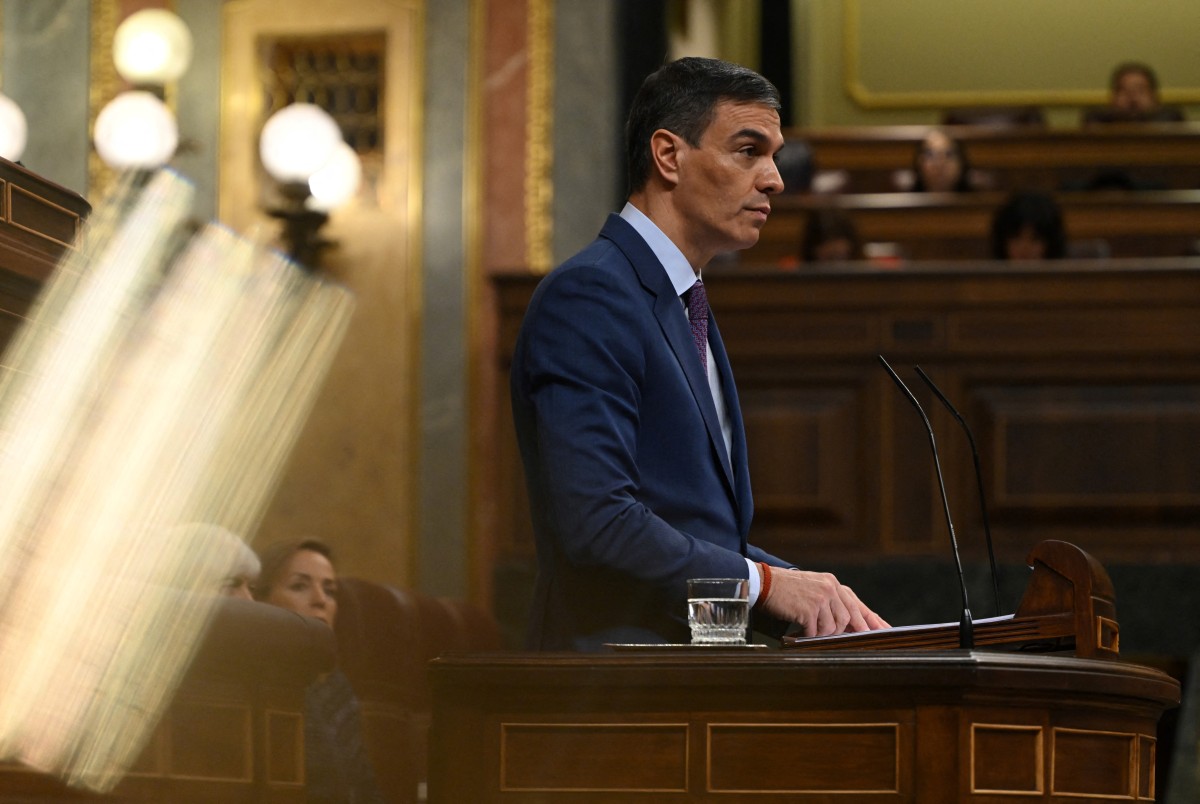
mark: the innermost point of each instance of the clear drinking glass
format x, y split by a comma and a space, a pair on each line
718, 610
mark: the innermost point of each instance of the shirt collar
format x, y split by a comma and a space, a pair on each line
679, 270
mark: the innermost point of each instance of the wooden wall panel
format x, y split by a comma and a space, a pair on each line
1006, 759
1099, 447
1095, 763
1081, 382
805, 462
810, 752
964, 52
593, 757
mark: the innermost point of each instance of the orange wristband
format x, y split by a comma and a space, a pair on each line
765, 590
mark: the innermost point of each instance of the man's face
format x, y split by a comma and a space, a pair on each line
1133, 93
725, 181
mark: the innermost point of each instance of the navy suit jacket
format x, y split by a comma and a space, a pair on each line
631, 489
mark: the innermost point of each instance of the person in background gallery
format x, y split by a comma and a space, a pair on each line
829, 236
940, 165
219, 555
1133, 98
240, 582
1028, 226
300, 576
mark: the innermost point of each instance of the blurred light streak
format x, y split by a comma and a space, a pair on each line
154, 392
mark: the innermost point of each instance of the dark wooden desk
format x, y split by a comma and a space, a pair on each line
39, 221
1166, 155
957, 226
753, 726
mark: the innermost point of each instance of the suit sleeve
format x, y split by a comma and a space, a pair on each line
578, 379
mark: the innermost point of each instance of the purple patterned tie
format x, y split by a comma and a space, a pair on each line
697, 306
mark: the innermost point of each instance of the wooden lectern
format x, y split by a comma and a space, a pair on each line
1068, 605
856, 724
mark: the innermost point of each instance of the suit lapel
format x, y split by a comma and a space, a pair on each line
733, 410
672, 319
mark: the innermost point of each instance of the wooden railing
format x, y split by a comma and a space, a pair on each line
957, 226
1162, 155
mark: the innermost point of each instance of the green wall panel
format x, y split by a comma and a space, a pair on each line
966, 52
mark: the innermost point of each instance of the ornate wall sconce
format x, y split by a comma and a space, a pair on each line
302, 149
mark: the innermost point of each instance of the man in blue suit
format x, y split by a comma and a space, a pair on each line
623, 398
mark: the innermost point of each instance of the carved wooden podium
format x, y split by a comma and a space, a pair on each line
1068, 605
684, 723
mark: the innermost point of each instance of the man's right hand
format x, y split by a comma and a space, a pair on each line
818, 602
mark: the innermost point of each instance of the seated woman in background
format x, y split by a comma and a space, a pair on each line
1028, 226
940, 165
829, 236
299, 576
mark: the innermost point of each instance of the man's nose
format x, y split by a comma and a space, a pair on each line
772, 180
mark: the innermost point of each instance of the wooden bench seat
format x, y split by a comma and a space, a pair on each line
386, 639
235, 729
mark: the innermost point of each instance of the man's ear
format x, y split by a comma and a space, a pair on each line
665, 150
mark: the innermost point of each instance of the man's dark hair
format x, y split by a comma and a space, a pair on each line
824, 225
1035, 210
681, 97
1140, 68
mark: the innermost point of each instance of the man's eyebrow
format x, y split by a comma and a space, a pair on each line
753, 134
760, 138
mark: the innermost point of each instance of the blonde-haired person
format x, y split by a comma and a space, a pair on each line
240, 582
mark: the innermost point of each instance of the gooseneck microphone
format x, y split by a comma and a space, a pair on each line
966, 628
987, 528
